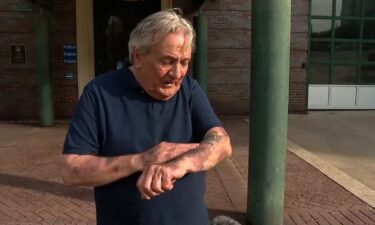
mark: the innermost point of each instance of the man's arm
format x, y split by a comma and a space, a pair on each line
214, 148
158, 178
89, 170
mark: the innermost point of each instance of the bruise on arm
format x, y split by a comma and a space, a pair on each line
214, 148
89, 170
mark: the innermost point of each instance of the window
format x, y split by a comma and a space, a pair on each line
342, 42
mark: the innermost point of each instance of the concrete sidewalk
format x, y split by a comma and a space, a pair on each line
32, 193
345, 139
340, 144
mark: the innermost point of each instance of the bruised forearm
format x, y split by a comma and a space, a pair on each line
214, 148
88, 170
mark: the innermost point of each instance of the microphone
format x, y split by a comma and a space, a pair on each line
224, 220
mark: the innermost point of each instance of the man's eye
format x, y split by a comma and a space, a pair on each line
185, 63
165, 63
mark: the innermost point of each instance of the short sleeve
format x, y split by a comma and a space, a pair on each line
203, 116
82, 136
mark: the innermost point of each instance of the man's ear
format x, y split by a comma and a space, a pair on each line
136, 58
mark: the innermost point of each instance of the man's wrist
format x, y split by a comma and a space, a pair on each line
185, 164
137, 162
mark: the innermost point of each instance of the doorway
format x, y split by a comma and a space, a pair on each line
113, 22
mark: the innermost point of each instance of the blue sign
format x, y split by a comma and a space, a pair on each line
70, 54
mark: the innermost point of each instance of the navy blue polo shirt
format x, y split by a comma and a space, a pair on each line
116, 117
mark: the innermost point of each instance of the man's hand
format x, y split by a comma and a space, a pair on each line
159, 178
164, 152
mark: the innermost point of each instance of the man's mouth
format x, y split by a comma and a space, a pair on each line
168, 84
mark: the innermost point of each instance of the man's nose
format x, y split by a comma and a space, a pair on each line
176, 71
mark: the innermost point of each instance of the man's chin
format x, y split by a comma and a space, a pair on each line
167, 94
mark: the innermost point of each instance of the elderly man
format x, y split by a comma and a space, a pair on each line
143, 135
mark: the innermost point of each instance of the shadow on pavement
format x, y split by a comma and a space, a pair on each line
84, 194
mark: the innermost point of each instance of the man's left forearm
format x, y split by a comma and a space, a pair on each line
214, 148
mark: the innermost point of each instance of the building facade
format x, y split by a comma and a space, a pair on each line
341, 71
89, 37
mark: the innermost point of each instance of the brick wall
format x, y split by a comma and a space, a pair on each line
228, 54
298, 59
18, 86
229, 37
63, 32
17, 81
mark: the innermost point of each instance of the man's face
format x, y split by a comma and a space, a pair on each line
161, 70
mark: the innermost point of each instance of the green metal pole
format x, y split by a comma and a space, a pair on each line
270, 49
200, 67
43, 48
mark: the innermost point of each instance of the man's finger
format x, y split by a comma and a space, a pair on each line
166, 179
188, 146
156, 181
144, 186
139, 186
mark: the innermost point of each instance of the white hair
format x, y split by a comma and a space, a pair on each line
154, 28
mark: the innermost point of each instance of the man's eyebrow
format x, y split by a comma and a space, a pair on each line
169, 57
175, 58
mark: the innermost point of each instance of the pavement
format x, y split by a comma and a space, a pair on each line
343, 138
317, 191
